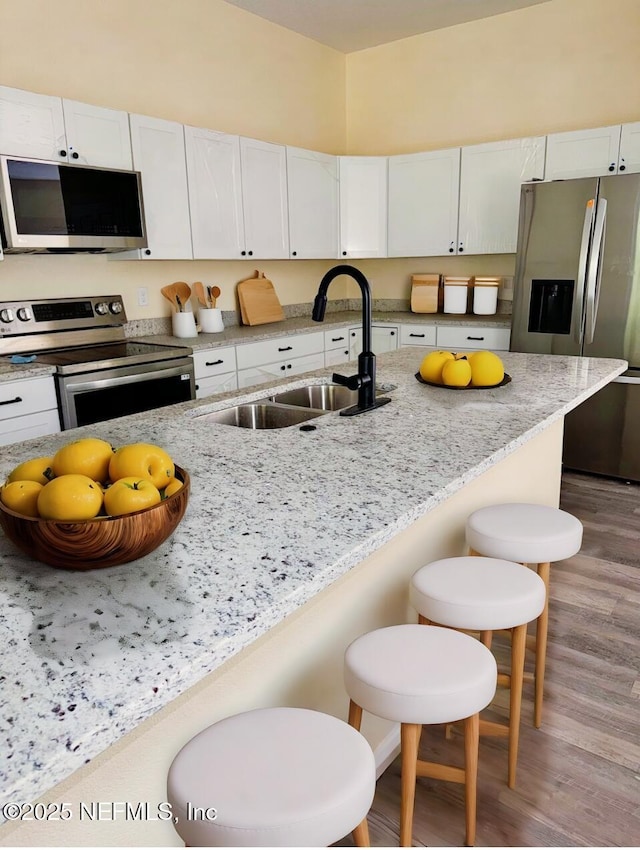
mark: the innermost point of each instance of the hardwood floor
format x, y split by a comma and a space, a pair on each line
579, 775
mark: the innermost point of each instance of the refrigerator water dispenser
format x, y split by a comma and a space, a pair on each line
551, 306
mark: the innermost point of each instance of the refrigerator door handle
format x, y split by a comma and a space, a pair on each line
582, 270
594, 273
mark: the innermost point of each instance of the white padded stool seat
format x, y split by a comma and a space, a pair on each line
413, 674
484, 594
276, 777
530, 534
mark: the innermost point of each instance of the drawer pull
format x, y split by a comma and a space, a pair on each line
214, 363
478, 338
337, 338
15, 400
422, 336
286, 348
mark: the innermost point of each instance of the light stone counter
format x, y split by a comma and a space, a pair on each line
274, 518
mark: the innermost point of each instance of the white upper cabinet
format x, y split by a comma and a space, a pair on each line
264, 197
423, 203
42, 127
363, 206
215, 194
490, 178
312, 180
159, 154
629, 158
583, 153
97, 136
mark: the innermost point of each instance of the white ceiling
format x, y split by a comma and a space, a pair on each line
348, 25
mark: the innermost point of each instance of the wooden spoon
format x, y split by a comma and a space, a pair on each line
170, 295
198, 288
178, 293
214, 292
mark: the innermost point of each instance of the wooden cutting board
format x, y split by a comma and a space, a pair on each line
259, 303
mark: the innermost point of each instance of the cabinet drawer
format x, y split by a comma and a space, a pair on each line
473, 337
214, 361
29, 426
417, 335
216, 384
278, 349
338, 338
18, 398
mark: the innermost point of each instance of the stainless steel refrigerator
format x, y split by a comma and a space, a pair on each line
577, 291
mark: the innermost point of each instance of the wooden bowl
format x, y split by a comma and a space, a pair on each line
94, 543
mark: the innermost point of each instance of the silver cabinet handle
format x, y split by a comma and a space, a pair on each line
594, 273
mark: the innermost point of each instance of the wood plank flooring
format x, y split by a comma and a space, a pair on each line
578, 778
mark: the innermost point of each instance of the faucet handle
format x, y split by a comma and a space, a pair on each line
353, 382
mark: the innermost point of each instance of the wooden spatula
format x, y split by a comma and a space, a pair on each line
214, 292
178, 293
170, 295
198, 288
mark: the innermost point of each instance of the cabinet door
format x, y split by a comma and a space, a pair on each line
264, 197
472, 337
216, 384
158, 153
312, 180
583, 153
383, 338
336, 356
423, 203
490, 179
417, 335
629, 160
215, 194
97, 136
31, 125
363, 206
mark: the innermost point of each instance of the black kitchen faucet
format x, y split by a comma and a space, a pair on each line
365, 381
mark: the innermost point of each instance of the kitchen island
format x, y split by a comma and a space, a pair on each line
293, 544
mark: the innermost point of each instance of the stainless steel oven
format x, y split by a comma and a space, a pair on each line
99, 373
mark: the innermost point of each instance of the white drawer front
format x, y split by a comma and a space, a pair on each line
417, 335
338, 338
474, 337
216, 384
279, 349
29, 426
18, 398
214, 361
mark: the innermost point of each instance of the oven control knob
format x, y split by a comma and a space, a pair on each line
115, 307
6, 315
24, 314
102, 308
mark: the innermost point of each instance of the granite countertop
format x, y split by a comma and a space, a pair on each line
274, 517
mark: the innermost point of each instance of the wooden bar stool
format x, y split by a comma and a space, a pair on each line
484, 595
273, 777
528, 534
416, 676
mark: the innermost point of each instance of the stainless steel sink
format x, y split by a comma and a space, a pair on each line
319, 396
261, 416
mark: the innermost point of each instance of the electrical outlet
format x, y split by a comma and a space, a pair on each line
143, 296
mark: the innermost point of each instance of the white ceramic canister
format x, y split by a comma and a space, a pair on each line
210, 319
485, 295
455, 294
183, 323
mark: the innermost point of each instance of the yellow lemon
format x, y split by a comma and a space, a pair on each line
431, 366
70, 497
487, 369
172, 487
21, 496
456, 373
37, 469
88, 456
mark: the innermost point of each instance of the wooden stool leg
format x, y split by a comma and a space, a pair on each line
361, 835
471, 741
486, 639
410, 740
355, 715
518, 646
542, 627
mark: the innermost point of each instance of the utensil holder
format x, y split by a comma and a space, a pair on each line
210, 320
184, 324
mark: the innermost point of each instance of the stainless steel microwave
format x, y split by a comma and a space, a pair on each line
50, 207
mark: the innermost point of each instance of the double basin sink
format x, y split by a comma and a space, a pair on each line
292, 407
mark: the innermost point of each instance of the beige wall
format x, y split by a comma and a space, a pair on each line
560, 65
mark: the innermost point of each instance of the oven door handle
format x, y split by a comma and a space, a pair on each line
86, 384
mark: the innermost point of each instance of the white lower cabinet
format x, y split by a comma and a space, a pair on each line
278, 358
28, 408
336, 346
269, 371
472, 337
383, 338
215, 371
417, 335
